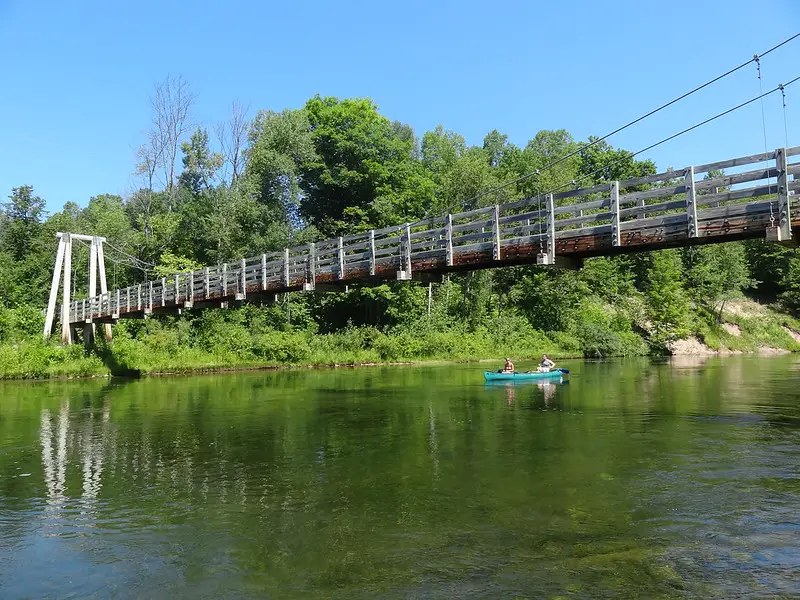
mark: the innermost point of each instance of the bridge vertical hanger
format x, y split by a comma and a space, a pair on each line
691, 205
616, 239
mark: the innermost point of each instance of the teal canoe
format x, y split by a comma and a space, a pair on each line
495, 376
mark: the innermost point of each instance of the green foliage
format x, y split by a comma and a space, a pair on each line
336, 166
171, 264
366, 175
667, 299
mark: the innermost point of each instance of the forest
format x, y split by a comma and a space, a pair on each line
207, 193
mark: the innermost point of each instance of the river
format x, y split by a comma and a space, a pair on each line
636, 479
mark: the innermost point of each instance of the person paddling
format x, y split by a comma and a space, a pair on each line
546, 364
509, 366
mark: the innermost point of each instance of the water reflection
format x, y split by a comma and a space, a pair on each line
635, 480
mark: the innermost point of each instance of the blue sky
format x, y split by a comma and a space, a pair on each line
77, 75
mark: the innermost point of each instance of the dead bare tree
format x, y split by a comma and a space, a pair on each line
232, 138
172, 104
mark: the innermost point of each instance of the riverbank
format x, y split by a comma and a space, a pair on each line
169, 346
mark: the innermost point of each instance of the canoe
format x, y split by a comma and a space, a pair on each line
495, 376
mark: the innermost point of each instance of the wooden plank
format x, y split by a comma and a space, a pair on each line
461, 239
467, 248
597, 189
649, 222
728, 180
533, 215
652, 208
525, 240
585, 231
564, 223
574, 208
637, 181
472, 213
635, 197
735, 162
614, 201
473, 226
691, 206
496, 231
762, 190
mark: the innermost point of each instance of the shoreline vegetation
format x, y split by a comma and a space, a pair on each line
232, 341
333, 167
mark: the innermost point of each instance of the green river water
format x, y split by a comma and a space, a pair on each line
635, 479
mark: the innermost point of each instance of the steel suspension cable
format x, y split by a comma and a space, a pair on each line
558, 161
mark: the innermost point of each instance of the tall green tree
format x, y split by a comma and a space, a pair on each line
365, 174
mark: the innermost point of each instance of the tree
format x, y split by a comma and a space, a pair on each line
365, 174
171, 104
23, 216
232, 138
200, 164
715, 274
601, 162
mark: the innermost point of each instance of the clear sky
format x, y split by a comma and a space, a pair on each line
76, 76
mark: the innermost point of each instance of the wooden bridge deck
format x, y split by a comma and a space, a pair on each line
675, 208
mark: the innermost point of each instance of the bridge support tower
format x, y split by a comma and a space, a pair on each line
63, 266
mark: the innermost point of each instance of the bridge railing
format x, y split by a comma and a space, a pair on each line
655, 209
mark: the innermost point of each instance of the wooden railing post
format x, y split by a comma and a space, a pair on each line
341, 257
263, 272
177, 288
691, 204
311, 268
785, 222
163, 291
496, 232
207, 282
224, 280
448, 232
551, 230
117, 307
286, 267
372, 252
139, 297
150, 296
615, 232
243, 288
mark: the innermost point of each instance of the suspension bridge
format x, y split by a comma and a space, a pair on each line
675, 208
